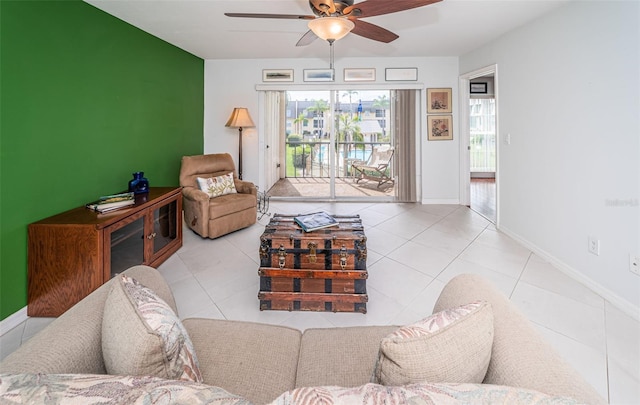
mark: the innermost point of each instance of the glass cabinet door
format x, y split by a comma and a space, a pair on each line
164, 225
127, 246
147, 237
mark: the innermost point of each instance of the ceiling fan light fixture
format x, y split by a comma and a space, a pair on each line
331, 28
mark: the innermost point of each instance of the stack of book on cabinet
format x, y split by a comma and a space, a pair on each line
112, 202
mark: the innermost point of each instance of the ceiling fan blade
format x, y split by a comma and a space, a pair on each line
327, 7
280, 16
372, 31
307, 38
370, 8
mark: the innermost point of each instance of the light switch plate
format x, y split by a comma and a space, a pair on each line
634, 264
594, 245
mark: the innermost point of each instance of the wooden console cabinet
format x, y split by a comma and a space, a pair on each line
73, 253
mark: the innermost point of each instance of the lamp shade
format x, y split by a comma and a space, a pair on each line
240, 118
331, 28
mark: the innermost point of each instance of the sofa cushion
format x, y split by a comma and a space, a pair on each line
211, 165
520, 356
89, 389
230, 204
450, 346
415, 394
72, 342
254, 360
141, 335
339, 356
217, 186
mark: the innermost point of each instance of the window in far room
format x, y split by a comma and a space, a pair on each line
482, 122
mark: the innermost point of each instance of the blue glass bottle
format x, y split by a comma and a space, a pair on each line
139, 184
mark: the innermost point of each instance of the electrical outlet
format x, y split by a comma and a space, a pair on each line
594, 245
634, 264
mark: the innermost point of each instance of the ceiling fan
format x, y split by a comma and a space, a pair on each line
347, 18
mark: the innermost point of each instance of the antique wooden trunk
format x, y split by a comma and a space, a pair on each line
322, 270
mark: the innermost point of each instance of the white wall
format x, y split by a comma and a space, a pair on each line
231, 83
568, 91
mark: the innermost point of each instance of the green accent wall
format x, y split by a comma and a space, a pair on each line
86, 100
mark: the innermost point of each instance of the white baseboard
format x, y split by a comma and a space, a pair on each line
13, 320
619, 302
443, 201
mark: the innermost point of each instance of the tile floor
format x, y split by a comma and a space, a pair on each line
319, 187
413, 251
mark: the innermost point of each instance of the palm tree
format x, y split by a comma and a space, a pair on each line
349, 132
381, 102
318, 108
350, 93
300, 121
349, 129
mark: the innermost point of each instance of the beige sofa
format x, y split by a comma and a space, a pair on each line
259, 362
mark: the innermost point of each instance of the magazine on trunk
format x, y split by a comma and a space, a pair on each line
317, 220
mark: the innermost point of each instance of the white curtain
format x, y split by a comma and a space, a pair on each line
274, 134
404, 113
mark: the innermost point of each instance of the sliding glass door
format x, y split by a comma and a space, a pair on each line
326, 134
306, 144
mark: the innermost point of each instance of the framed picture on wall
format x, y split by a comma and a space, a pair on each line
401, 74
359, 75
318, 75
277, 75
440, 127
439, 101
478, 88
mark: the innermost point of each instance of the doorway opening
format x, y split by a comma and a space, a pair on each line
479, 182
482, 149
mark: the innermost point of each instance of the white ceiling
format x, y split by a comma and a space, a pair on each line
448, 28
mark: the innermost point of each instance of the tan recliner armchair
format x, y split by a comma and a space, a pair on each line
217, 216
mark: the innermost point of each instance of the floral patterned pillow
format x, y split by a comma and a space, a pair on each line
217, 186
88, 389
419, 394
452, 346
141, 335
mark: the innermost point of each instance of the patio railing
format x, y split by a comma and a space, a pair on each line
311, 158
